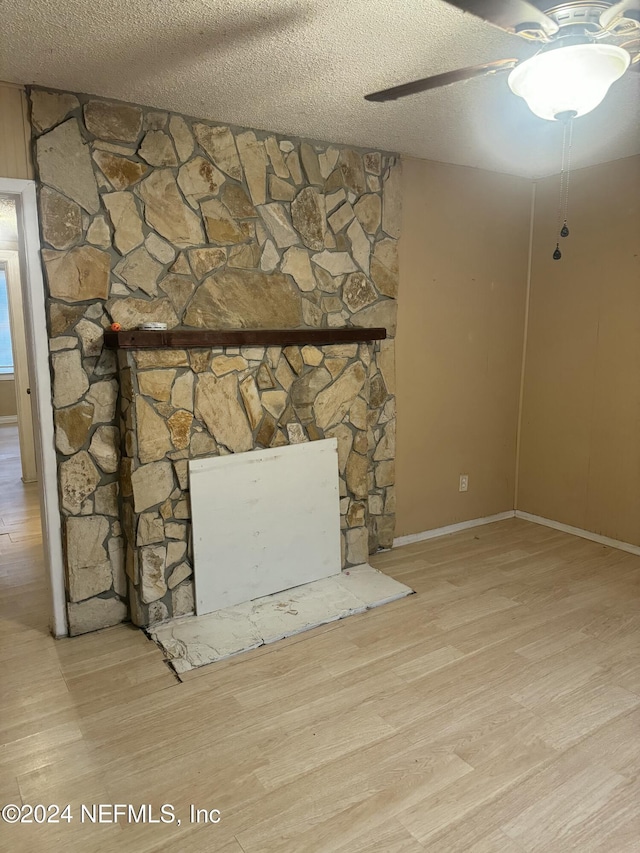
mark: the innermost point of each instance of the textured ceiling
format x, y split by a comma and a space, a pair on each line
301, 67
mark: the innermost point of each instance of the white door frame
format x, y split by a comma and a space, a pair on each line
9, 261
40, 381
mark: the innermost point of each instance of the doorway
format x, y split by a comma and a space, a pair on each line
20, 262
15, 390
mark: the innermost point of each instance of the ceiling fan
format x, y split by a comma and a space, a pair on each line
585, 46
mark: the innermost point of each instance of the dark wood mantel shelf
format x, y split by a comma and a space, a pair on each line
188, 338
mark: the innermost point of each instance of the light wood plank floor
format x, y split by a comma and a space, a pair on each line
496, 711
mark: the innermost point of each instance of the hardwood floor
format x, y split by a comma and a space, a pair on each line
496, 711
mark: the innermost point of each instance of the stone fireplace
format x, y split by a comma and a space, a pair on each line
213, 230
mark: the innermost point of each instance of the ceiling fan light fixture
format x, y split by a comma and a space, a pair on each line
569, 79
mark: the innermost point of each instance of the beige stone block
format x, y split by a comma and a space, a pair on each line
220, 146
151, 484
312, 355
157, 149
360, 246
385, 473
356, 474
357, 539
356, 514
79, 275
180, 428
227, 299
276, 221
106, 499
121, 172
358, 292
167, 213
254, 161
368, 209
105, 448
78, 479
182, 392
274, 402
332, 404
88, 566
64, 163
335, 263
173, 530
61, 219
152, 568
280, 190
113, 120
94, 614
335, 365
176, 552
251, 400
276, 158
179, 574
150, 529
237, 202
159, 248
161, 358
50, 108
152, 434
216, 403
182, 599
131, 312
103, 396
72, 426
309, 218
342, 217
223, 364
311, 164
293, 164
182, 137
156, 383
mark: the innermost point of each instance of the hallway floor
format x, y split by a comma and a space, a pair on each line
496, 711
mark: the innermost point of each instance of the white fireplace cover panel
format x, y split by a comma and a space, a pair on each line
264, 521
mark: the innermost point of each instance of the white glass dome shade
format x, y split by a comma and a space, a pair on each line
572, 79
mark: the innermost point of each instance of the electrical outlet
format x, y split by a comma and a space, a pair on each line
464, 483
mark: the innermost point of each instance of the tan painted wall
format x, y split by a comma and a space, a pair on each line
15, 158
7, 398
463, 265
580, 452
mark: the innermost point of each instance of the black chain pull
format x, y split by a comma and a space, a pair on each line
565, 172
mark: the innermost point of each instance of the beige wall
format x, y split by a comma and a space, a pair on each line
7, 398
463, 264
580, 451
15, 158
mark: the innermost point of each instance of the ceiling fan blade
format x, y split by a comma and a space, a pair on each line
514, 16
445, 79
623, 9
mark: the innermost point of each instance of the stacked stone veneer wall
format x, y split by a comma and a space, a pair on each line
147, 215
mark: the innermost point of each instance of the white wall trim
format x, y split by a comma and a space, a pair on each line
8, 419
451, 528
578, 531
38, 352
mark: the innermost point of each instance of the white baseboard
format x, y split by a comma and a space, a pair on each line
451, 528
577, 531
8, 419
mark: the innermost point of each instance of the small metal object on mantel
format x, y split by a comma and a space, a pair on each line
186, 338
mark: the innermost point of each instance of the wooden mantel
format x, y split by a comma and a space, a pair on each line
190, 338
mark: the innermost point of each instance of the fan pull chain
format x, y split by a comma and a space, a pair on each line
565, 172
